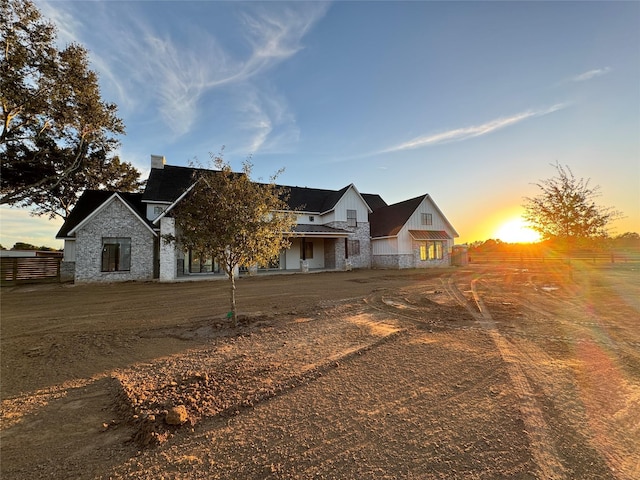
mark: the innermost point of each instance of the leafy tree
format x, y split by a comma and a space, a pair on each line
229, 217
565, 211
29, 246
627, 240
55, 126
97, 174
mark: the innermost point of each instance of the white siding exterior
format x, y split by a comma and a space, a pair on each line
384, 246
152, 214
402, 251
69, 249
351, 200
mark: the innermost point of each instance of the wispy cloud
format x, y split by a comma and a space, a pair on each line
185, 77
147, 66
583, 77
464, 133
266, 116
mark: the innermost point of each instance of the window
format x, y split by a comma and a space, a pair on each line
426, 218
352, 218
312, 218
158, 210
202, 263
116, 254
353, 248
307, 250
431, 251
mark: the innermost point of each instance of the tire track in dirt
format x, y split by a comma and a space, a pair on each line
542, 449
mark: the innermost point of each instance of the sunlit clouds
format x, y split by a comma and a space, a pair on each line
464, 133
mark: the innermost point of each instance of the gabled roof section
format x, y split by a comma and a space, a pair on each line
389, 220
169, 184
175, 202
374, 201
92, 201
166, 184
315, 200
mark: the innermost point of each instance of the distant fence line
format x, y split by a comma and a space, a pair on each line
516, 257
17, 270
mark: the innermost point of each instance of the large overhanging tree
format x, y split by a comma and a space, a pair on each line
229, 217
57, 135
566, 211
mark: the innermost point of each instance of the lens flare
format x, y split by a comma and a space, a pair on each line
517, 231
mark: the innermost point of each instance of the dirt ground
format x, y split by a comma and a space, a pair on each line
477, 372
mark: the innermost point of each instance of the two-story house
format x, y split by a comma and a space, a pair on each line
115, 236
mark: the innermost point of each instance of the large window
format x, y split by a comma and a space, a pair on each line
202, 263
431, 250
116, 254
352, 218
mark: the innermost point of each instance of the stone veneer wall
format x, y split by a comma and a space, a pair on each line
408, 260
116, 220
402, 260
445, 262
361, 232
67, 271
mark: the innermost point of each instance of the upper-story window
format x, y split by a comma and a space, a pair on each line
312, 218
352, 218
426, 218
158, 210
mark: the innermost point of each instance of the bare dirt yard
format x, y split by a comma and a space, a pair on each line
523, 371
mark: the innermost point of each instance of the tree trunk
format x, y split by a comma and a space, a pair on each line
232, 279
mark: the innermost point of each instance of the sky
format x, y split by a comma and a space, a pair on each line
470, 102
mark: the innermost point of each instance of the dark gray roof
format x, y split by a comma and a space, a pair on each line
374, 201
388, 221
90, 200
313, 199
168, 183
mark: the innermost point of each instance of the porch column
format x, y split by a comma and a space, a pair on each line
168, 256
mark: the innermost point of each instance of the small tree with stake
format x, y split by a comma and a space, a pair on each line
566, 212
233, 219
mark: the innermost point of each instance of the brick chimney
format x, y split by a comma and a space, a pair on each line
157, 161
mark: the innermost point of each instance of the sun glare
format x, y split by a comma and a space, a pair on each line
517, 231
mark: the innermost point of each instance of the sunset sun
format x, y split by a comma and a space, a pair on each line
517, 231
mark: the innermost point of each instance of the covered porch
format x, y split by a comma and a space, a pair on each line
315, 248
